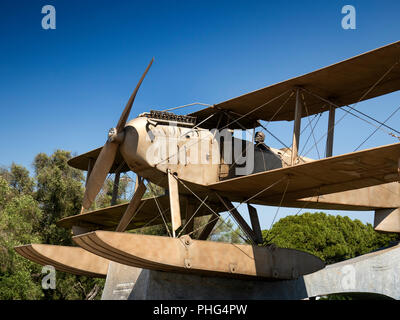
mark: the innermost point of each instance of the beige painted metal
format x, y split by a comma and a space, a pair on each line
238, 218
387, 220
125, 113
348, 181
174, 202
350, 170
348, 81
200, 257
77, 230
255, 223
147, 214
89, 169
296, 128
107, 155
330, 132
73, 260
189, 217
99, 173
369, 198
137, 182
146, 151
335, 174
115, 189
102, 249
86, 161
209, 227
132, 207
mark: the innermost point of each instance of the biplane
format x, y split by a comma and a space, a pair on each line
361, 180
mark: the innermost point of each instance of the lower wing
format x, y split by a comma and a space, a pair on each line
330, 175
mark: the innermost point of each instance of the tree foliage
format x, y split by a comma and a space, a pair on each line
29, 210
104, 197
332, 238
225, 231
19, 224
59, 191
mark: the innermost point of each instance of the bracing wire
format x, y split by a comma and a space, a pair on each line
387, 119
277, 210
159, 209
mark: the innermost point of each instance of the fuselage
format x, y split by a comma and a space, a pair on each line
198, 156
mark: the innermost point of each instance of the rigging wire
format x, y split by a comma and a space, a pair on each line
188, 105
298, 211
248, 145
282, 105
387, 119
230, 210
280, 141
186, 133
369, 117
302, 131
208, 205
142, 203
372, 124
160, 211
361, 98
150, 221
277, 210
219, 217
344, 115
253, 110
312, 130
323, 136
187, 222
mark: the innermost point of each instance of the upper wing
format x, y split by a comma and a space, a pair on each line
340, 173
81, 162
343, 83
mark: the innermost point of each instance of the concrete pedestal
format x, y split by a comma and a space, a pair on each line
375, 273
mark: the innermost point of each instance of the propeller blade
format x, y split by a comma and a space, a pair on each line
99, 173
132, 207
107, 155
128, 107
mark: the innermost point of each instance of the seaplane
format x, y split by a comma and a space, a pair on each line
194, 158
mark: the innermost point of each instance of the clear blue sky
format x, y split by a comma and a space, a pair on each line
65, 88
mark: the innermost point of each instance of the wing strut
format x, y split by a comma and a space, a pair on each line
330, 133
296, 128
132, 207
174, 202
239, 219
255, 223
209, 227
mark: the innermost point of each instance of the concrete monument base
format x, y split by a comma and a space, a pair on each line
374, 273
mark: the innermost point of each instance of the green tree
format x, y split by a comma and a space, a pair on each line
18, 179
19, 224
332, 238
59, 191
29, 210
224, 231
154, 190
104, 197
